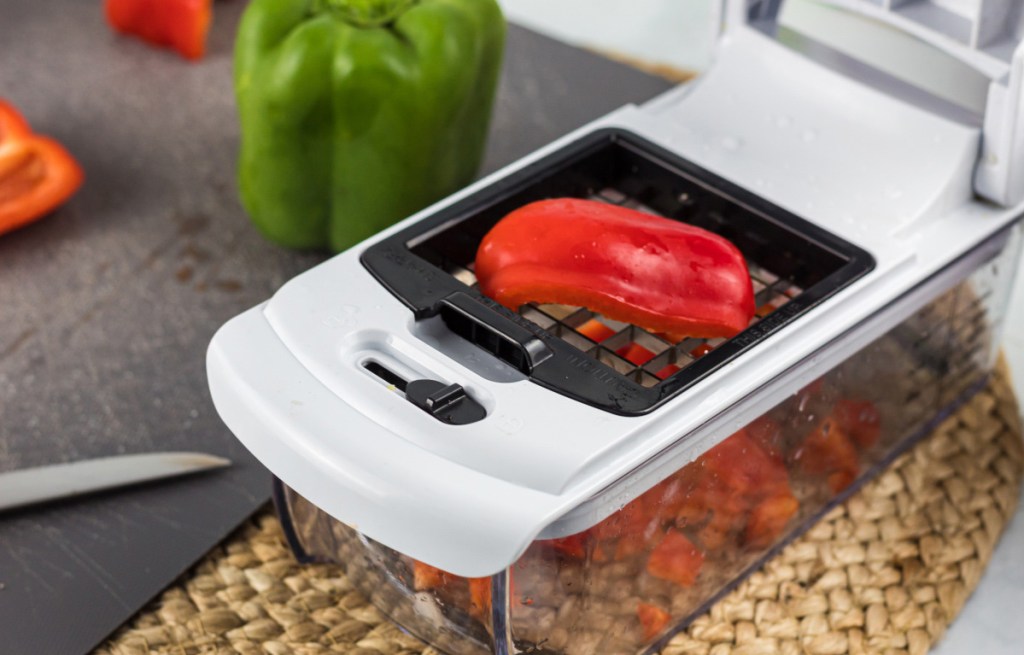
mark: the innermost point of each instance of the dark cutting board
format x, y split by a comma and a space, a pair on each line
107, 306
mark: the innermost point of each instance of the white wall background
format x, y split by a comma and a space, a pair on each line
674, 32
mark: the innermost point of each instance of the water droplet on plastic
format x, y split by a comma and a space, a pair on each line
893, 193
783, 121
808, 135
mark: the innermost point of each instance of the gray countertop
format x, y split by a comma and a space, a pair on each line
107, 306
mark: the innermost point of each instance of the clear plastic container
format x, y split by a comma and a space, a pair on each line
630, 581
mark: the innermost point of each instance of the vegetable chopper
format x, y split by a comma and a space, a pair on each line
549, 480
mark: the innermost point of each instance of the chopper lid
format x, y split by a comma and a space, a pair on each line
960, 58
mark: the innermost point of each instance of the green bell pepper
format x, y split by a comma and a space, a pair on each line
358, 113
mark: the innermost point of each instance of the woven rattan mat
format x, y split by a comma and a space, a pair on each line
884, 573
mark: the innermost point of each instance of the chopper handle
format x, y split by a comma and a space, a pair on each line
494, 328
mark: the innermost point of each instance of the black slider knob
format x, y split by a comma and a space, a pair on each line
447, 403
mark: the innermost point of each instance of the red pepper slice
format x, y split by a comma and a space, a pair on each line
36, 173
661, 274
12, 123
177, 24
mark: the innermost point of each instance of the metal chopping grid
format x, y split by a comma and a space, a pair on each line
645, 357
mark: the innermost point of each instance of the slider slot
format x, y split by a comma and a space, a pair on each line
386, 374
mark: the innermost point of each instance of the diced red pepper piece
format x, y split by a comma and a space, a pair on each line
480, 599
595, 330
828, 452
666, 371
629, 545
652, 618
745, 468
714, 536
177, 24
635, 353
701, 350
767, 434
768, 519
661, 274
676, 559
427, 577
860, 420
694, 510
575, 546
36, 173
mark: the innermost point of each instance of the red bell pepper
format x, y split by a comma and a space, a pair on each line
36, 173
661, 274
177, 24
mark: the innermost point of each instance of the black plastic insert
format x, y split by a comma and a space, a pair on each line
621, 368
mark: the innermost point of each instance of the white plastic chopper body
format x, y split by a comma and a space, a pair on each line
927, 185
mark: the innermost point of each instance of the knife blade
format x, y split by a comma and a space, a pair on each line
45, 483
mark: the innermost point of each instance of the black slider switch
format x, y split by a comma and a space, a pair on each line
447, 403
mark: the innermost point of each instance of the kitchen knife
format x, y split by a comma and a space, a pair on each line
44, 483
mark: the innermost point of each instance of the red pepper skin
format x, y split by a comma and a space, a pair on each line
12, 123
654, 272
177, 24
36, 173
